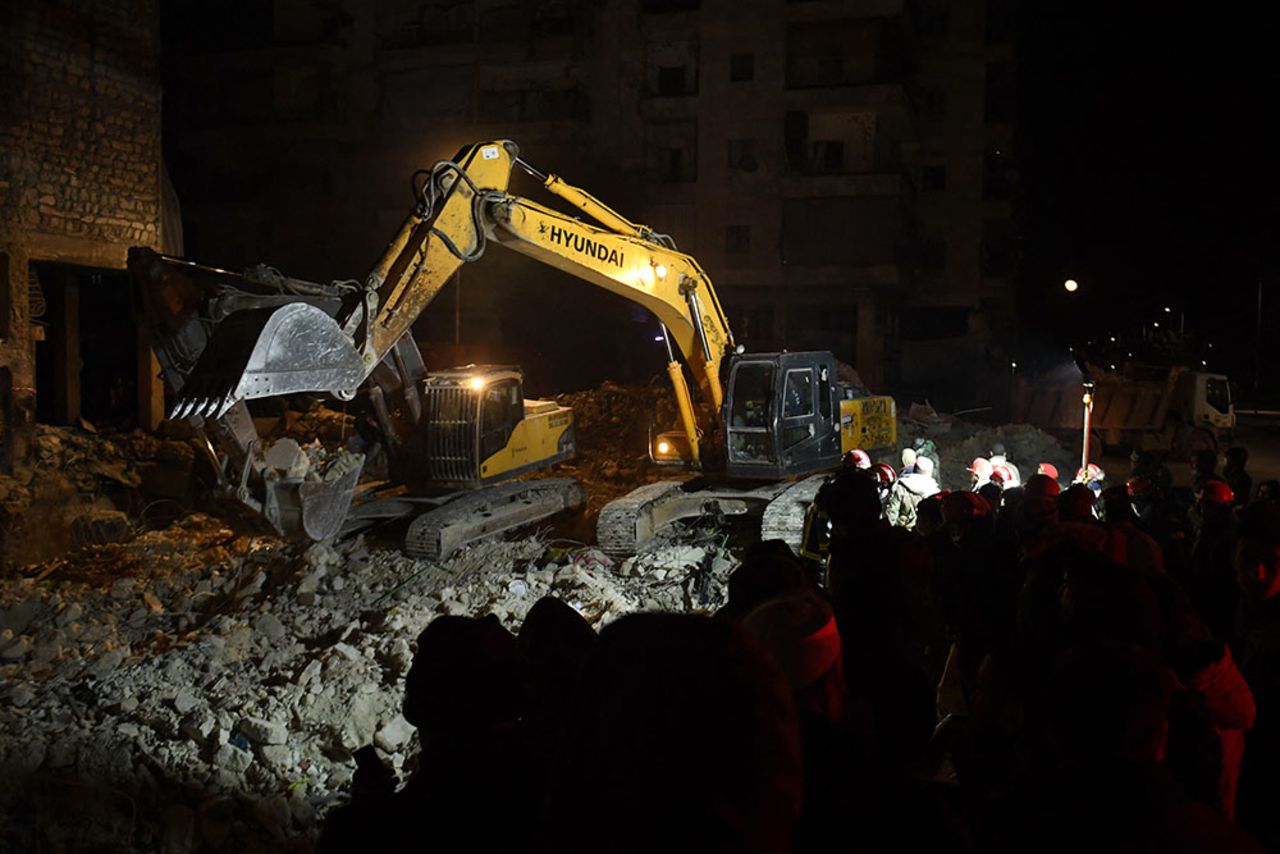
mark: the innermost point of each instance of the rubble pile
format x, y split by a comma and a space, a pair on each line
959, 442
319, 421
87, 488
612, 425
201, 688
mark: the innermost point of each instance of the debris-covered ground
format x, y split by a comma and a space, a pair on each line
612, 426
210, 687
171, 680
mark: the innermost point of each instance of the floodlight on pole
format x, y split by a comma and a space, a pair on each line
1071, 285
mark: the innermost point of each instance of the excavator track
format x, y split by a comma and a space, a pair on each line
490, 512
784, 516
628, 524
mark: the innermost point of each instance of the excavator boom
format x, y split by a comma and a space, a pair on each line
463, 204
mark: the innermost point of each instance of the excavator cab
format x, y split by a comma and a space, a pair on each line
781, 415
480, 428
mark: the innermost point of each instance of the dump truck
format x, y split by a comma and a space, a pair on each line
1172, 410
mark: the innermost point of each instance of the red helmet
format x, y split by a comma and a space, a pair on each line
857, 459
1139, 486
1088, 474
1048, 469
884, 475
981, 466
1217, 492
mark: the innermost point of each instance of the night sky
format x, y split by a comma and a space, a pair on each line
1149, 172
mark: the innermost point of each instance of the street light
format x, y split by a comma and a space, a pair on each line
1071, 285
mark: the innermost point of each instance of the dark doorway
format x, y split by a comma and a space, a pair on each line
86, 367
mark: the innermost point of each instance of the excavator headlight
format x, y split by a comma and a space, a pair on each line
476, 383
664, 447
660, 271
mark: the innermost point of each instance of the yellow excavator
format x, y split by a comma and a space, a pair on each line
755, 420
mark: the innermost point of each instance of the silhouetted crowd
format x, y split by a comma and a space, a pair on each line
1063, 671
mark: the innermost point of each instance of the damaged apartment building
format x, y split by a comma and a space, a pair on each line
81, 181
843, 169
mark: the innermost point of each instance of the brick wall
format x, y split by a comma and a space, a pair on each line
80, 173
80, 133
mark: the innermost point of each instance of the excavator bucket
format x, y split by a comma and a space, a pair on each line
268, 352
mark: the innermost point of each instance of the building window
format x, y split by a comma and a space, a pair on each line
932, 104
742, 155
828, 155
737, 240
933, 179
999, 175
742, 67
672, 151
933, 255
671, 80
931, 19
1001, 92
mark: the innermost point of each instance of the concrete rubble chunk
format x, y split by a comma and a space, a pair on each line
107, 662
269, 628
394, 734
123, 588
261, 731
232, 758
69, 615
17, 650
278, 755
100, 527
17, 618
347, 651
287, 457
21, 695
185, 701
311, 671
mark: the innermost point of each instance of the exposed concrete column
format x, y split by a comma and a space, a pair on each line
17, 365
150, 385
66, 350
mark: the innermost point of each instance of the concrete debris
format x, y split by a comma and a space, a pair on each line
287, 457
261, 731
224, 703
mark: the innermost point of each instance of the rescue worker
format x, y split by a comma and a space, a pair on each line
857, 459
981, 470
911, 488
1235, 475
998, 458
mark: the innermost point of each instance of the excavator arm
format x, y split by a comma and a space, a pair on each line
462, 205
669, 284
465, 204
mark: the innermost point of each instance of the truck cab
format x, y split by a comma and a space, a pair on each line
1204, 402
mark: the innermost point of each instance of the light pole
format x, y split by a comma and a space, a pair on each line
1087, 400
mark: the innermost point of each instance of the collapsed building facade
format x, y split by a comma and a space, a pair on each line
82, 180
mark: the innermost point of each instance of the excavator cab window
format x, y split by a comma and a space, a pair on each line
501, 408
751, 395
1218, 394
797, 407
